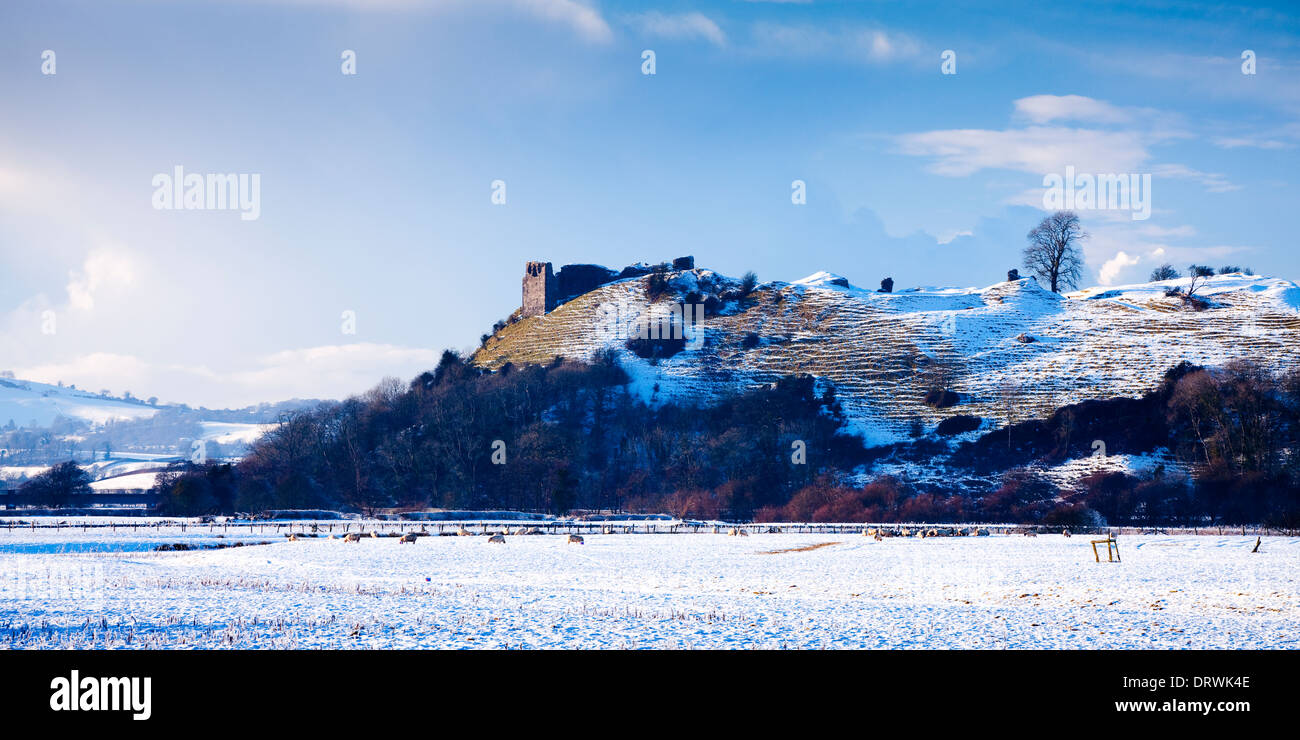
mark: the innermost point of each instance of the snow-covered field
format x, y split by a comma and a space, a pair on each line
69, 588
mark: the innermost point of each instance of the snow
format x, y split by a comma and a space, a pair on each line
825, 280
131, 481
642, 590
1072, 470
876, 348
1280, 292
126, 471
24, 401
227, 432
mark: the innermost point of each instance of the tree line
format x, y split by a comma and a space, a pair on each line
551, 438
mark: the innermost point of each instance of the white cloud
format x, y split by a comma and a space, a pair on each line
1238, 142
1116, 249
1048, 108
1163, 232
1037, 149
1112, 268
863, 45
692, 25
1213, 79
1212, 181
948, 237
1047, 149
103, 268
582, 18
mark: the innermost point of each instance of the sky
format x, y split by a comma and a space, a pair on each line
380, 235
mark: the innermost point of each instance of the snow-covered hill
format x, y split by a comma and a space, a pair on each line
27, 403
1013, 349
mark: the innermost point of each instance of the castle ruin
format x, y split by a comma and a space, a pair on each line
544, 289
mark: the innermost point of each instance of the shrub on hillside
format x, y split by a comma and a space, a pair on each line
656, 285
657, 348
941, 399
748, 282
959, 424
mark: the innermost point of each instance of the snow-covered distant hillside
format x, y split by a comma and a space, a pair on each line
231, 432
1013, 350
27, 403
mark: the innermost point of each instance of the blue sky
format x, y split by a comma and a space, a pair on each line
375, 187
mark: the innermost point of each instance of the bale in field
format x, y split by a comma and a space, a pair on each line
409, 537
574, 539
352, 537
498, 537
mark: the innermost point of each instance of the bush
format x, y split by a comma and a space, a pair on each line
656, 286
1164, 272
941, 399
748, 282
959, 424
657, 348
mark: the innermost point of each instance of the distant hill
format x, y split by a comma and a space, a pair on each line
27, 403
41, 424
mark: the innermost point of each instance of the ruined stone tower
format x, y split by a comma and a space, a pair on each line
544, 289
540, 292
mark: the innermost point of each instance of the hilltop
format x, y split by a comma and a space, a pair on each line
1003, 353
31, 404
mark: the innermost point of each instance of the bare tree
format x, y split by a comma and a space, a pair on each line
1164, 272
1053, 251
1198, 272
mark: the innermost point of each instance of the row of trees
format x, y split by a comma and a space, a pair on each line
542, 438
1167, 271
1054, 255
570, 436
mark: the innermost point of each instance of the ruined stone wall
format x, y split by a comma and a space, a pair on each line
574, 280
545, 289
